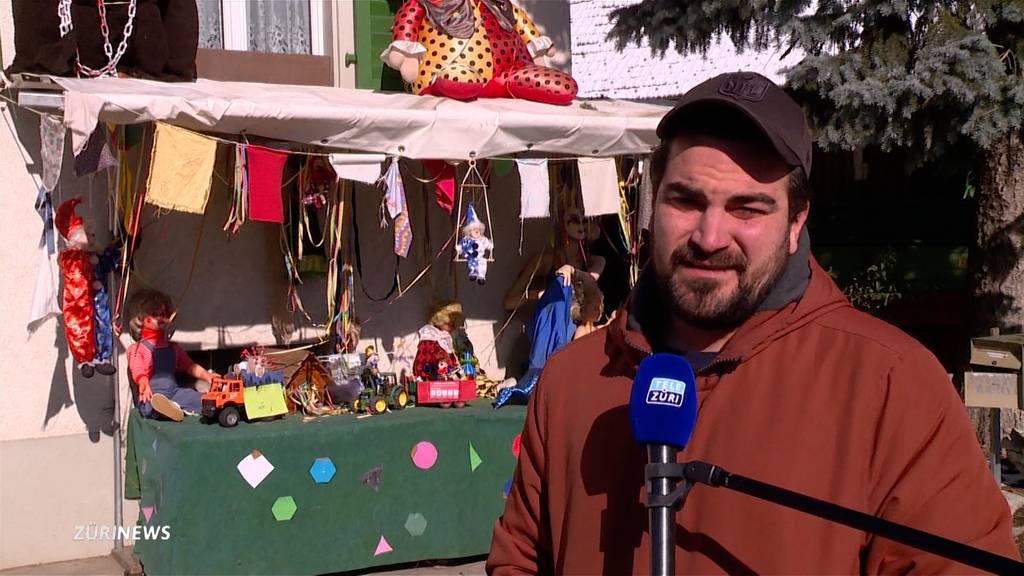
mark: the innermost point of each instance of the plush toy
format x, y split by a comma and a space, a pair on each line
475, 247
84, 303
465, 49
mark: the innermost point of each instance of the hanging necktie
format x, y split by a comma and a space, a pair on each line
394, 200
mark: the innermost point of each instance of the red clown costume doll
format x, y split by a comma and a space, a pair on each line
76, 271
465, 49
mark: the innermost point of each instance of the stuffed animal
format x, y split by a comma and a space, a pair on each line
466, 49
475, 247
84, 302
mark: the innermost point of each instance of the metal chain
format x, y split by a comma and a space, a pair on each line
66, 25
64, 13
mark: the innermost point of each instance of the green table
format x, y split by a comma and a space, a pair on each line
185, 476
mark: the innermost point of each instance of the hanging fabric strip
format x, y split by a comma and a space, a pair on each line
645, 202
97, 155
363, 168
44, 296
599, 185
239, 193
264, 167
443, 176
181, 169
394, 190
535, 183
51, 142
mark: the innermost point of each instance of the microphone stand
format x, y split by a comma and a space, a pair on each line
661, 501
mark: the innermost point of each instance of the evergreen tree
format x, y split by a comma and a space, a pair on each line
939, 80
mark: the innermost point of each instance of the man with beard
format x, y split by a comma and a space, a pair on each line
794, 386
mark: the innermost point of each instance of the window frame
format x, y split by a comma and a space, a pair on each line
234, 19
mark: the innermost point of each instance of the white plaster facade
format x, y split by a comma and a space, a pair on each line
603, 72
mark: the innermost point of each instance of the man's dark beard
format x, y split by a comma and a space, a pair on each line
730, 313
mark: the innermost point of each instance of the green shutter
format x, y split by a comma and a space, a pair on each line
373, 20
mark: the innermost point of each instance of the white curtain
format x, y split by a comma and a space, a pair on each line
210, 24
279, 26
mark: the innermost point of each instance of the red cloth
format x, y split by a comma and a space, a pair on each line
443, 175
140, 360
76, 303
264, 167
406, 24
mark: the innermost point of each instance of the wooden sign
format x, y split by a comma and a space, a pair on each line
992, 390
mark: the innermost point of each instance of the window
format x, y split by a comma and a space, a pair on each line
276, 26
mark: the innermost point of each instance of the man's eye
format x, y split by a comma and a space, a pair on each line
746, 212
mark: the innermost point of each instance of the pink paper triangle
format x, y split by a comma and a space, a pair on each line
382, 547
147, 512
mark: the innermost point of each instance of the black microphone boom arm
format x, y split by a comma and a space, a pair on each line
711, 475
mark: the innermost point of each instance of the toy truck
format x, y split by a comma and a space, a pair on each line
446, 393
230, 400
381, 390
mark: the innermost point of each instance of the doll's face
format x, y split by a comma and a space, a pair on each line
576, 226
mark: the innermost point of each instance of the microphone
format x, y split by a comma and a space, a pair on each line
662, 413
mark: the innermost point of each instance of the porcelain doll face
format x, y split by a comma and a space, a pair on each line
577, 228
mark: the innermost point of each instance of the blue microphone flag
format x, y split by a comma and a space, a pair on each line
663, 401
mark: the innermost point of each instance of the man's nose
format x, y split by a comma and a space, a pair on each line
711, 234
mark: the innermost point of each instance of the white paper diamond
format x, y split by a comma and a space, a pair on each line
255, 468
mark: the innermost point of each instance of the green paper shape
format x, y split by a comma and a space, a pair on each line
264, 401
474, 458
416, 524
284, 508
500, 167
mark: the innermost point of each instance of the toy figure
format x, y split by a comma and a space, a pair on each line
441, 373
154, 361
84, 302
475, 247
372, 369
465, 49
436, 341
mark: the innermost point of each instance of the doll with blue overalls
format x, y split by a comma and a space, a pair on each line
154, 361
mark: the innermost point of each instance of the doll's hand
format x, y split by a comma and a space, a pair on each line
145, 394
565, 272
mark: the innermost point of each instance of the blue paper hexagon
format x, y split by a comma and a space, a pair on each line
322, 470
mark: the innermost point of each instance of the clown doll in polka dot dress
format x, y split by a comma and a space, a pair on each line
466, 49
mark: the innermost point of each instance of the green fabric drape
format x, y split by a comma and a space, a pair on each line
218, 524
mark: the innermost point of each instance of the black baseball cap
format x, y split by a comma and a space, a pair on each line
778, 116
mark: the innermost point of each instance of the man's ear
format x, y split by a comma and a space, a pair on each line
795, 226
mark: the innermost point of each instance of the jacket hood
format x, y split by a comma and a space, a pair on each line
633, 334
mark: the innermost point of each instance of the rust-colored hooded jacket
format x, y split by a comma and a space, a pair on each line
815, 397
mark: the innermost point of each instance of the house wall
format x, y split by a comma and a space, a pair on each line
603, 71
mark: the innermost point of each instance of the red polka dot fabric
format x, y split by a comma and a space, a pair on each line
493, 63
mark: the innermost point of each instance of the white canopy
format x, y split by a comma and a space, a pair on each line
392, 123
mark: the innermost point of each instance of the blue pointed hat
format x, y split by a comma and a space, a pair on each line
471, 217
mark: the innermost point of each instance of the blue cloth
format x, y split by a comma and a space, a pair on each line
550, 328
109, 261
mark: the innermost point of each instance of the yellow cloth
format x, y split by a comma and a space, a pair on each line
181, 169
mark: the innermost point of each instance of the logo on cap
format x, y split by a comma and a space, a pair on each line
666, 391
752, 88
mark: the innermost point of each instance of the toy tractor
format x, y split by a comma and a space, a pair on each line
230, 400
381, 390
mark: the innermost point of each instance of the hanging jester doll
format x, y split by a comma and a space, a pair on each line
85, 304
466, 49
475, 247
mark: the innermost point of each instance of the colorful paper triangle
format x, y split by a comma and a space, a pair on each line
474, 458
147, 513
382, 547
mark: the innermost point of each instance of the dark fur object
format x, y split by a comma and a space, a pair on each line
162, 46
